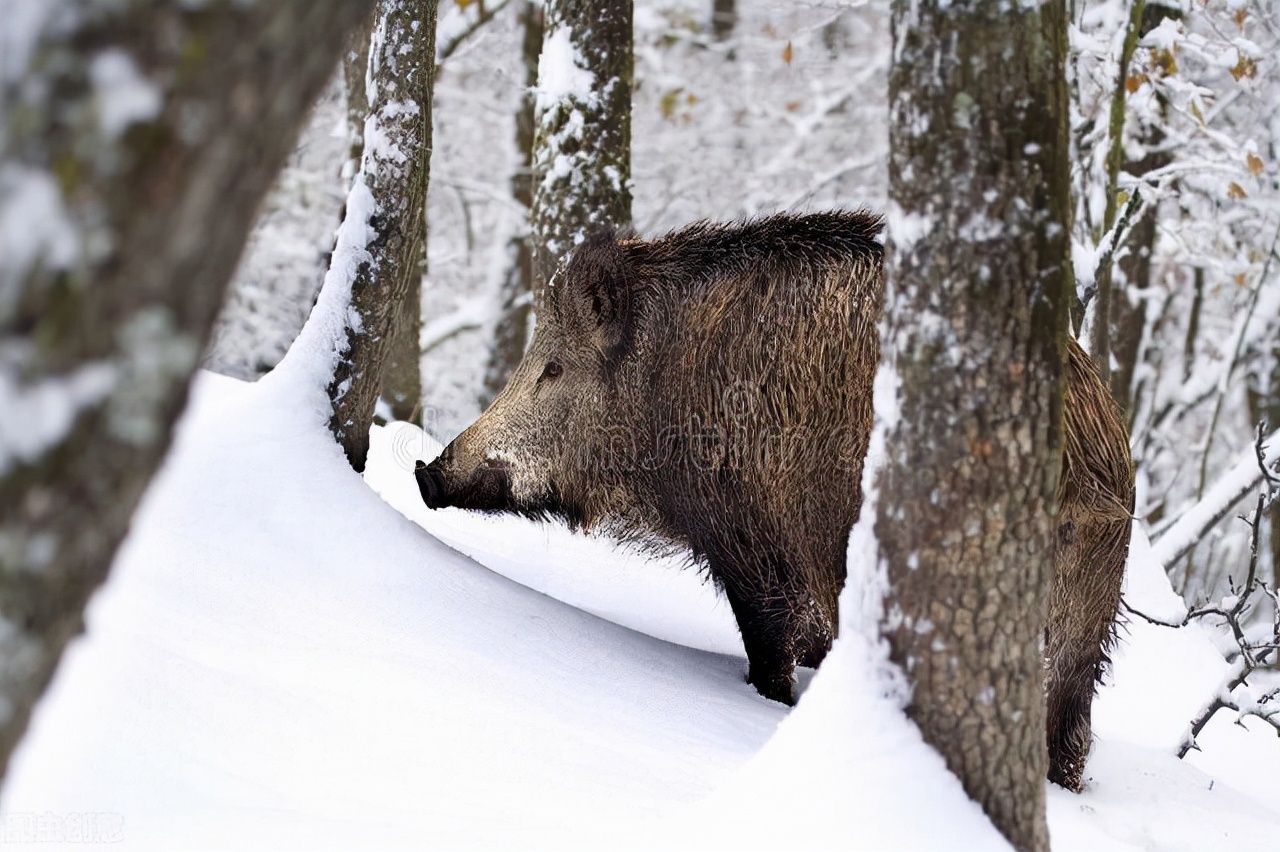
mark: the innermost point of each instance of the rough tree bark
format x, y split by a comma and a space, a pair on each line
138, 138
402, 375
402, 378
977, 273
392, 186
512, 330
582, 147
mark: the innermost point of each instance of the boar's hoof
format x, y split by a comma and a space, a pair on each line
775, 686
430, 485
1067, 775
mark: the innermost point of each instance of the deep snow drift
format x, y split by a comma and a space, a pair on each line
282, 660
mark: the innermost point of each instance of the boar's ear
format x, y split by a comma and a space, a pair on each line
603, 280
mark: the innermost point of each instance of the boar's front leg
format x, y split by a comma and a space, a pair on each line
766, 620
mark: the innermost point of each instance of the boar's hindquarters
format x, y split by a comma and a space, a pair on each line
1095, 513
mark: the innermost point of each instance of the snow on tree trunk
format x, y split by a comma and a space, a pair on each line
136, 142
387, 204
582, 148
977, 273
512, 329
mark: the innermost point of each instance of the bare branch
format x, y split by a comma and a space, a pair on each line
1253, 653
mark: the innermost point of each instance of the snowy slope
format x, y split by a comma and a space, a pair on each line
282, 660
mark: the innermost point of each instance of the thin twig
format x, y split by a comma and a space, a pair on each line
1231, 365
1151, 619
1252, 653
452, 45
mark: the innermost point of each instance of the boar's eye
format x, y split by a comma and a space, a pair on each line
551, 371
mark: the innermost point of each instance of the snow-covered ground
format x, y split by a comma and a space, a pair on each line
283, 658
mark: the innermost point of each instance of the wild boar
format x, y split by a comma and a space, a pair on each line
711, 390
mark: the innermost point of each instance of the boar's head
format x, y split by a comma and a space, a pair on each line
545, 447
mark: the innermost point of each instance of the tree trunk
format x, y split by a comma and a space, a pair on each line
355, 71
1264, 405
402, 376
1129, 315
512, 330
170, 122
977, 273
724, 16
402, 380
1100, 327
582, 150
389, 200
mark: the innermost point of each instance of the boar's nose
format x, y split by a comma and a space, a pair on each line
430, 484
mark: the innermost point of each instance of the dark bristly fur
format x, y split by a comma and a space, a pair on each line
712, 390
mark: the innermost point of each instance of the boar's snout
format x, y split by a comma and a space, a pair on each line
488, 487
430, 483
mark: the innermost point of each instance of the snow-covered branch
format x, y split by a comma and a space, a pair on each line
1253, 648
1229, 490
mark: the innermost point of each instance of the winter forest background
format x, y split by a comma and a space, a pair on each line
737, 109
787, 114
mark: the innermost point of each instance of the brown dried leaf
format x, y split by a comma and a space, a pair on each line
667, 104
1166, 61
1246, 67
1254, 164
1234, 190
786, 53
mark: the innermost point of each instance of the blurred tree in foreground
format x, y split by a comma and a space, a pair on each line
138, 138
